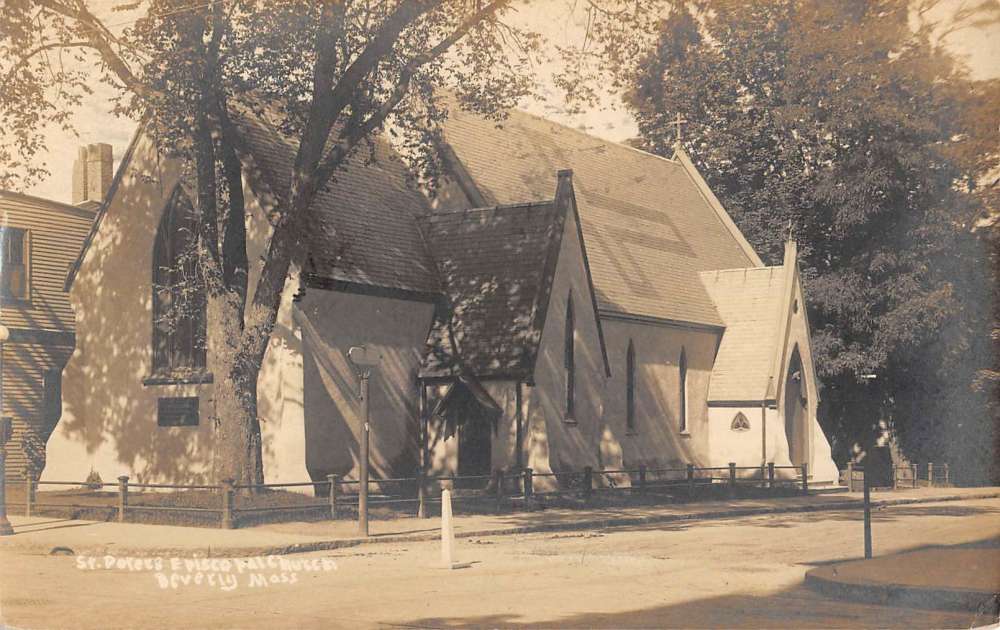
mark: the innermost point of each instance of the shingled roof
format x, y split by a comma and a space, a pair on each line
750, 301
650, 224
496, 266
364, 222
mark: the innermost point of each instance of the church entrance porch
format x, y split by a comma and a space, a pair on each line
468, 412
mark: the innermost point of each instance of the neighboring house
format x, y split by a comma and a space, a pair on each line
39, 239
531, 316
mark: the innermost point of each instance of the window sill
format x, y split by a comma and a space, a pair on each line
570, 421
179, 378
684, 433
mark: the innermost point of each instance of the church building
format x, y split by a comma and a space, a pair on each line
562, 302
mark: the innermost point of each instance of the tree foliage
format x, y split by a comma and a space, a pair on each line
329, 75
841, 122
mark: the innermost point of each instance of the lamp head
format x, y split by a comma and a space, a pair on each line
362, 356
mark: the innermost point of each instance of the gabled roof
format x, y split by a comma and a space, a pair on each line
649, 226
364, 228
496, 265
750, 301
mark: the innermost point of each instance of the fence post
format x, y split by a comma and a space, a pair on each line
642, 478
498, 480
333, 480
227, 503
868, 514
945, 474
529, 490
29, 493
805, 478
914, 467
930, 474
588, 481
732, 478
850, 476
690, 480
421, 495
122, 497
770, 475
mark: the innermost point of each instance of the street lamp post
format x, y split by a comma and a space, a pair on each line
365, 361
5, 431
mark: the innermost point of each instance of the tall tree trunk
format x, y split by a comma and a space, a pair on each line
237, 445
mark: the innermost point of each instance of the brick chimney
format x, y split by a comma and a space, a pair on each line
92, 173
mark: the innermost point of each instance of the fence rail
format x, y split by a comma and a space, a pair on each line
227, 502
902, 476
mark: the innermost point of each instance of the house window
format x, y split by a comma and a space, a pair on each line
630, 387
682, 393
740, 423
570, 359
178, 290
52, 395
13, 263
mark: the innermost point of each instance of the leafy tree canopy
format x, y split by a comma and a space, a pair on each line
842, 123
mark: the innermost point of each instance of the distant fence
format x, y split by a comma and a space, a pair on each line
229, 505
906, 476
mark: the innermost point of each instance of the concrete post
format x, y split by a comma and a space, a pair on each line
498, 481
930, 474
690, 480
29, 493
770, 474
333, 480
805, 478
732, 478
914, 472
227, 491
642, 478
945, 474
122, 497
588, 481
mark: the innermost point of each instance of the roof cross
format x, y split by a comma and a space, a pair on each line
678, 121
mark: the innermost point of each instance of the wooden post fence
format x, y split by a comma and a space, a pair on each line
588, 481
334, 481
945, 474
913, 468
770, 474
122, 497
930, 474
529, 490
29, 493
690, 480
805, 478
498, 480
642, 478
227, 503
732, 479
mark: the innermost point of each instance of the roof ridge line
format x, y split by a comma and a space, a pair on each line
584, 133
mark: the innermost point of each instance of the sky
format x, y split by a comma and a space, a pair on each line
979, 46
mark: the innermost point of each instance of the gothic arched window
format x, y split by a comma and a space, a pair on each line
682, 393
178, 290
570, 359
630, 387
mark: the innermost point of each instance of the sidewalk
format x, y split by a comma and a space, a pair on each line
43, 534
964, 577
